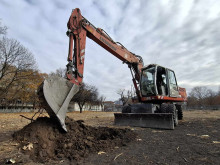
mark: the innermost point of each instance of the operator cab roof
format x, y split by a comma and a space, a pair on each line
154, 65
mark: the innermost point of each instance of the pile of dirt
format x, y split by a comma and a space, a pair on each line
43, 140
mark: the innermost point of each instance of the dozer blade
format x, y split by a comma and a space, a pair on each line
55, 93
149, 120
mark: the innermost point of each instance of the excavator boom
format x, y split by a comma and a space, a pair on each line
78, 29
55, 93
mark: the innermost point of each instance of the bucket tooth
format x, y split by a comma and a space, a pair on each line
55, 94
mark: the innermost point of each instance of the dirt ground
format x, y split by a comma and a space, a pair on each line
196, 140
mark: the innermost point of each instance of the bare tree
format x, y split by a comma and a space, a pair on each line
61, 72
217, 99
202, 96
102, 101
125, 96
210, 97
18, 72
198, 94
218, 93
15, 63
3, 29
87, 94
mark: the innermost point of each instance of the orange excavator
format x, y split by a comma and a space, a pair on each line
159, 99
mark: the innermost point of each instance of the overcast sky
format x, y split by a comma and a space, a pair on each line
183, 35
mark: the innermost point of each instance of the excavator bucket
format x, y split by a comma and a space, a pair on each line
55, 93
149, 120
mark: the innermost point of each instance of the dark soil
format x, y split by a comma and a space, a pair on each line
184, 145
51, 144
195, 141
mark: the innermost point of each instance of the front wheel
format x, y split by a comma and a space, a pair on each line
126, 109
180, 111
172, 109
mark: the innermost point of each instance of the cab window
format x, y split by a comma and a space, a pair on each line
147, 81
172, 81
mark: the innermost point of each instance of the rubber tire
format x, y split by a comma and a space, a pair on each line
163, 108
172, 109
180, 112
126, 109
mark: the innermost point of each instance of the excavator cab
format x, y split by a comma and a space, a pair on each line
159, 102
157, 80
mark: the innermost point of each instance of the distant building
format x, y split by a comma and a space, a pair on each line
87, 107
118, 102
110, 106
15, 106
18, 106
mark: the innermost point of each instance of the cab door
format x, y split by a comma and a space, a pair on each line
173, 87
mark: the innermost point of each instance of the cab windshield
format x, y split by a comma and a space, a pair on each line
147, 81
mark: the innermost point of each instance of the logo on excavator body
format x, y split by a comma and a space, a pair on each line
126, 55
91, 30
107, 43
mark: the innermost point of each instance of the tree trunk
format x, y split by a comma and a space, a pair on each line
80, 107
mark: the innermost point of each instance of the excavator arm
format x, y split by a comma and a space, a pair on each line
79, 28
55, 93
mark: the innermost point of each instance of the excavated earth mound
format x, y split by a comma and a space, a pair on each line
44, 141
